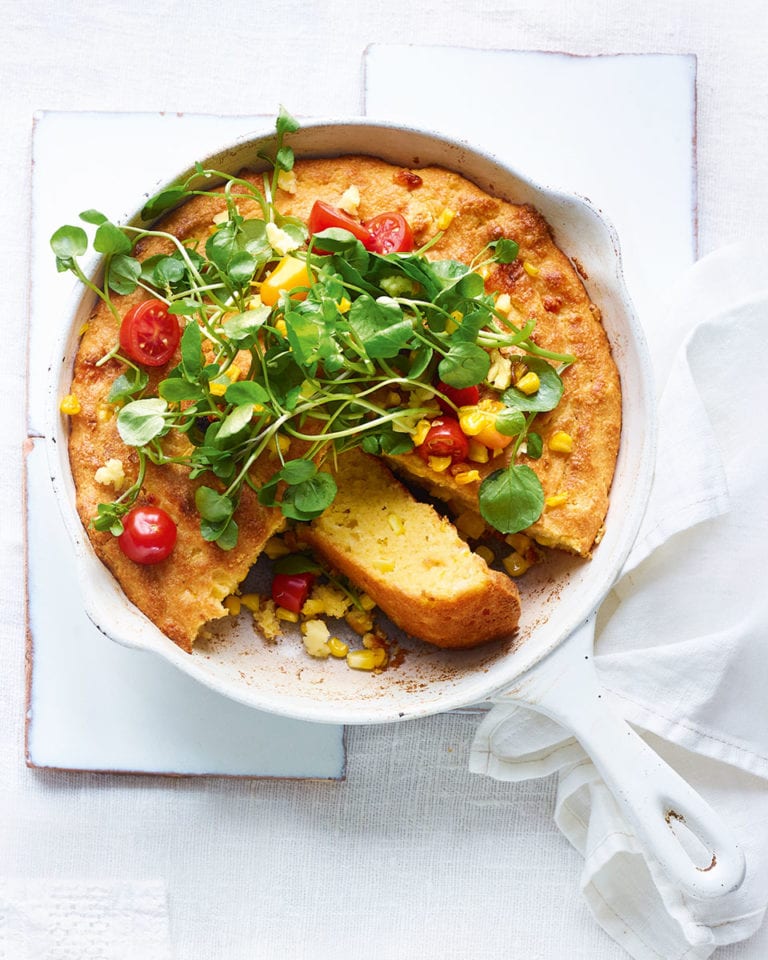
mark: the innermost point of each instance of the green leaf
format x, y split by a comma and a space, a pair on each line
163, 201
213, 506
123, 273
245, 327
511, 499
297, 471
285, 123
241, 268
69, 242
284, 158
505, 251
224, 533
141, 421
534, 446
236, 421
308, 499
246, 391
466, 365
296, 563
125, 386
191, 351
510, 422
546, 397
108, 517
176, 390
111, 239
92, 216
184, 307
380, 325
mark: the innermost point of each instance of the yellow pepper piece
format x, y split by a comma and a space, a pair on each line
556, 500
289, 273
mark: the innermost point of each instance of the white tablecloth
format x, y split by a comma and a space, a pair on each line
412, 853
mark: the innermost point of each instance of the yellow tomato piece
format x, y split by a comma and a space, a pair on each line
289, 273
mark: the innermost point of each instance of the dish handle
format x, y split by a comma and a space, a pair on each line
661, 807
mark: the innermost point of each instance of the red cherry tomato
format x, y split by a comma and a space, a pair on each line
149, 334
445, 439
149, 535
323, 216
290, 590
391, 233
459, 396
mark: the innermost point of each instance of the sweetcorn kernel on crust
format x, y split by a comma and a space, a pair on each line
184, 592
410, 559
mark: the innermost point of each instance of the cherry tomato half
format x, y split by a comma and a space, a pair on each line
290, 590
149, 535
445, 439
391, 233
323, 216
149, 334
459, 397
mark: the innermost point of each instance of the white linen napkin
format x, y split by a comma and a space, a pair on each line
682, 641
60, 920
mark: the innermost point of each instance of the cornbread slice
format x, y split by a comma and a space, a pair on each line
410, 559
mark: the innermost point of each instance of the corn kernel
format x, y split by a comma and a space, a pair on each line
519, 542
286, 180
361, 621
383, 565
454, 321
105, 412
283, 443
439, 464
361, 659
233, 372
366, 602
218, 389
379, 657
344, 305
316, 637
396, 524
485, 271
503, 303
530, 268
70, 405
338, 648
281, 327
478, 452
473, 420
232, 605
83, 329
276, 547
467, 476
486, 553
556, 500
289, 615
529, 383
561, 442
471, 523
420, 434
393, 399
445, 219
515, 565
251, 601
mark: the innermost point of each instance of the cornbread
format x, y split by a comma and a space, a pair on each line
410, 559
423, 575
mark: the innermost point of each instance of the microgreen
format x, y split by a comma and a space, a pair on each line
280, 388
